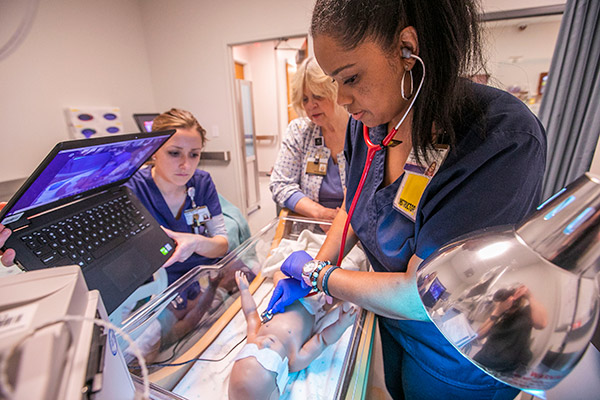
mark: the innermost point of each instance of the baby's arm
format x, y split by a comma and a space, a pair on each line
316, 344
248, 305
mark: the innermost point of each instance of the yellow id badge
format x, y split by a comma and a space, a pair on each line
317, 166
415, 180
409, 194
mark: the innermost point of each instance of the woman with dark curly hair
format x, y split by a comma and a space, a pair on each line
402, 68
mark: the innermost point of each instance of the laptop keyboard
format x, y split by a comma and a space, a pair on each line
86, 236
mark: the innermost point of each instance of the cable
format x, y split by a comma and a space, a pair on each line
8, 391
195, 358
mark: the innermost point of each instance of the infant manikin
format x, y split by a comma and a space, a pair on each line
286, 343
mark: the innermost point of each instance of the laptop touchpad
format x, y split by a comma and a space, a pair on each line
127, 268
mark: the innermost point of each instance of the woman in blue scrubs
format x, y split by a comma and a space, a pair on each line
182, 198
490, 173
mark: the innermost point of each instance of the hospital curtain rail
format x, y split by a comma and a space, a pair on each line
570, 109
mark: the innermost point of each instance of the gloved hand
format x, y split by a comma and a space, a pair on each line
285, 293
292, 266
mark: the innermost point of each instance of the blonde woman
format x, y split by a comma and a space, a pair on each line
182, 198
309, 173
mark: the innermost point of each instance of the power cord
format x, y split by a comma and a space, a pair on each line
194, 359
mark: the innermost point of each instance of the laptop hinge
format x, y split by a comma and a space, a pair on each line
20, 223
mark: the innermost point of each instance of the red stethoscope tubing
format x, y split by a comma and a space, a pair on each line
371, 151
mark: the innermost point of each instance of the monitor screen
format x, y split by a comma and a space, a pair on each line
433, 293
144, 121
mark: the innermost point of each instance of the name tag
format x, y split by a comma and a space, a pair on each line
317, 164
197, 216
416, 178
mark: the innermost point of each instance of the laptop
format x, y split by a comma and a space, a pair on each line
144, 121
74, 209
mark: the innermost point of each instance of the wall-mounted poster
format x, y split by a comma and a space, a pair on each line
87, 122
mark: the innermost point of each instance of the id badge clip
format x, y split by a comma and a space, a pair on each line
415, 180
196, 216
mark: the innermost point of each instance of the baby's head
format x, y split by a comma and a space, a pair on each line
258, 373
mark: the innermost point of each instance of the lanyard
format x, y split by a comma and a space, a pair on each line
372, 149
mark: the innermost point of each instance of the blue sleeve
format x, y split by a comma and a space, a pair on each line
293, 200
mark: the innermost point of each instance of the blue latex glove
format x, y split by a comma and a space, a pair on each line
292, 266
285, 293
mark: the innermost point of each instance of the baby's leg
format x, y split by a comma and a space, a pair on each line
317, 343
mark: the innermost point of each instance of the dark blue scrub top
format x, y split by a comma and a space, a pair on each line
482, 183
146, 190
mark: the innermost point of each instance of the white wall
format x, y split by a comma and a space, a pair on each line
78, 53
518, 56
266, 68
261, 70
503, 5
191, 62
284, 57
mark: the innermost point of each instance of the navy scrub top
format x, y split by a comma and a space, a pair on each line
482, 183
146, 190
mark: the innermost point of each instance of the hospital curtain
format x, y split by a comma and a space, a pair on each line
570, 109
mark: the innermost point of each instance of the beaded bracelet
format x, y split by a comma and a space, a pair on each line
314, 276
326, 278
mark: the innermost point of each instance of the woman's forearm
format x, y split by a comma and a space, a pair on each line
539, 315
212, 247
389, 294
312, 209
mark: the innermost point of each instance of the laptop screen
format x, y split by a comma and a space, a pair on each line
78, 170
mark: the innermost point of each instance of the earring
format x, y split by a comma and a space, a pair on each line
404, 96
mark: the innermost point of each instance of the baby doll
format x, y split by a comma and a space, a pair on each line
284, 344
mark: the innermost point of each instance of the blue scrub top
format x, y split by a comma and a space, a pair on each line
482, 183
144, 187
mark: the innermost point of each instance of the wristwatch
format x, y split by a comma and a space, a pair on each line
310, 273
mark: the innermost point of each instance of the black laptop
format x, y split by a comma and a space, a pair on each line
74, 210
144, 121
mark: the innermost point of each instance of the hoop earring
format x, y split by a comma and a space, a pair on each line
404, 96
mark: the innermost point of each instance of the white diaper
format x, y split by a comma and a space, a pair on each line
270, 360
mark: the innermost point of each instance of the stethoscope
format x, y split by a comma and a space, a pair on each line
373, 148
